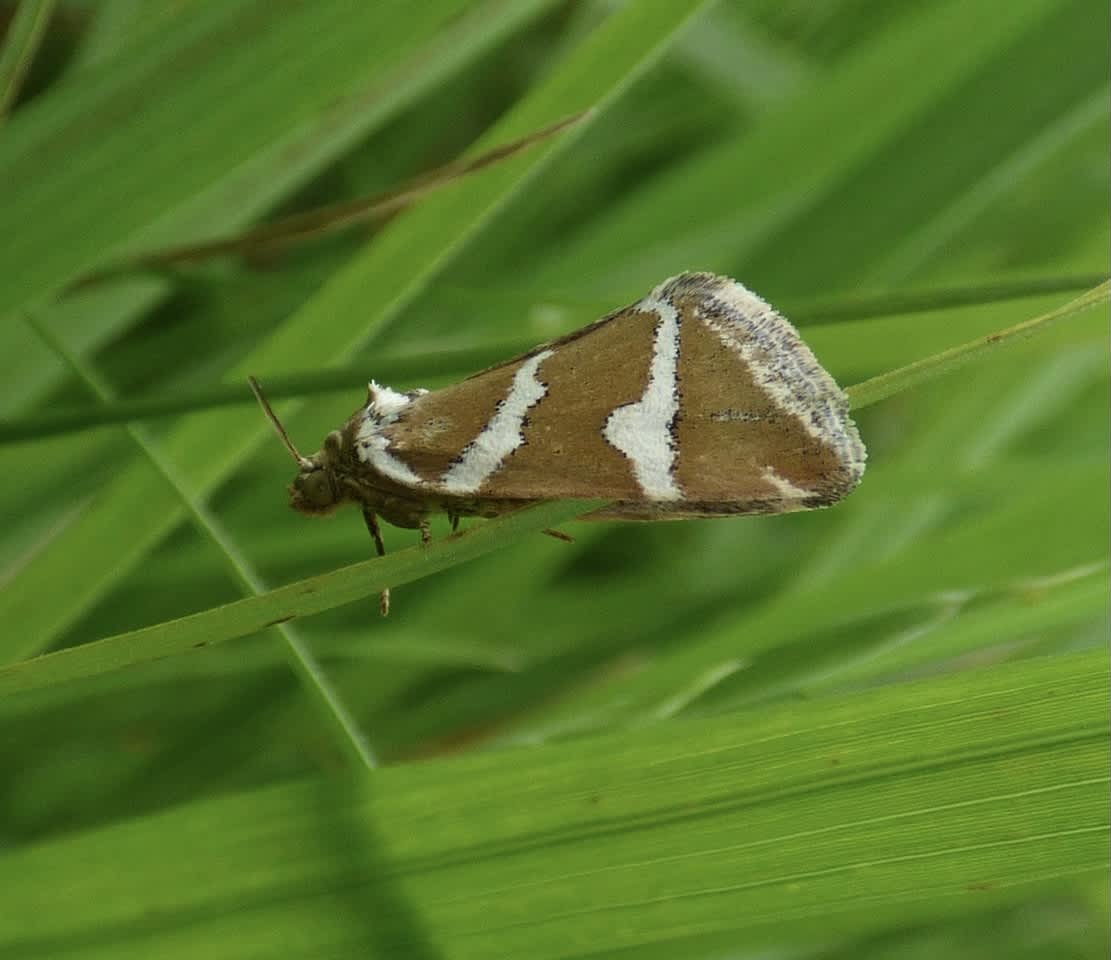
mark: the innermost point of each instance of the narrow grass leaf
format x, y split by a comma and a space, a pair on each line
284, 604
24, 34
888, 384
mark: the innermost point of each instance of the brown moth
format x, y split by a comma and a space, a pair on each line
698, 400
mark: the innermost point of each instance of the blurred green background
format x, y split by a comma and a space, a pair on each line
874, 731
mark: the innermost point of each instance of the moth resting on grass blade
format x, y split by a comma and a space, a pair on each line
697, 401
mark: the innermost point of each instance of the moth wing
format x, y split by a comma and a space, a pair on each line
532, 428
698, 400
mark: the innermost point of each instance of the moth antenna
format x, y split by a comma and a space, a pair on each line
273, 418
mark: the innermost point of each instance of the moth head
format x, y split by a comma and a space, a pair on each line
315, 489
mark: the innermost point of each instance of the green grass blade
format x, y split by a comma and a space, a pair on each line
248, 176
300, 657
304, 598
197, 68
888, 384
21, 41
815, 825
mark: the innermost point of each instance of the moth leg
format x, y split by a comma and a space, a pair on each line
376, 535
558, 535
425, 533
454, 518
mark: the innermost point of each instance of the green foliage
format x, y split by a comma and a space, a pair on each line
879, 730
914, 805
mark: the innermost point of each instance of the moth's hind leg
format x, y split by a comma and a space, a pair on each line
375, 531
376, 535
425, 533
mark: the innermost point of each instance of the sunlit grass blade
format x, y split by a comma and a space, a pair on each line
815, 824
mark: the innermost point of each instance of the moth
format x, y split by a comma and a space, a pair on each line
699, 400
